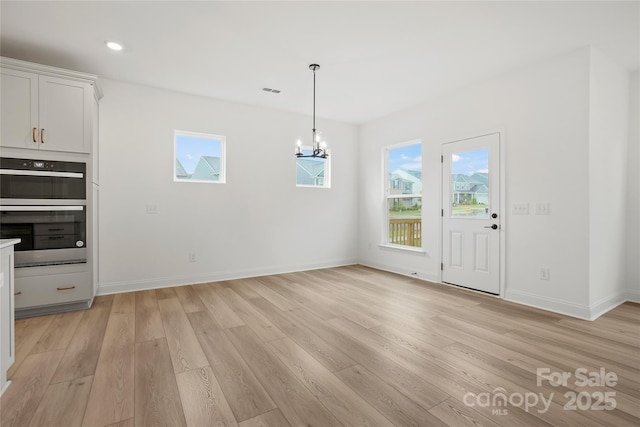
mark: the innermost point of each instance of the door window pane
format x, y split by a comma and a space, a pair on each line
470, 184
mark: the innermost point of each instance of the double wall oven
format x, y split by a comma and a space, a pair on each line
44, 204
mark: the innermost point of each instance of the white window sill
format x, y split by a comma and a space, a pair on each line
403, 248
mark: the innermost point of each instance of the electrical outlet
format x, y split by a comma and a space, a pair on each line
192, 257
152, 209
544, 273
543, 208
520, 209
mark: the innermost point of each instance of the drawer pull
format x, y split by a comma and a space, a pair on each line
15, 294
66, 289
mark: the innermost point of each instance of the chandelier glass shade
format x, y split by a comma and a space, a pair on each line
319, 145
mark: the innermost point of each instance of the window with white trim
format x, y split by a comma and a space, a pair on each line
199, 157
313, 171
403, 194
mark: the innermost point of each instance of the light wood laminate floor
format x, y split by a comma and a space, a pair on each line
341, 346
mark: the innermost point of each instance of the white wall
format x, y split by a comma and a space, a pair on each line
544, 112
260, 223
608, 142
633, 191
257, 223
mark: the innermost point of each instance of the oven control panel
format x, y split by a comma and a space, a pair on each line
39, 165
8, 163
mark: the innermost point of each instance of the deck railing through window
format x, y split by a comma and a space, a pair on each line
405, 231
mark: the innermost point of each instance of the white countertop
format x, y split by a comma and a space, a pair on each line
8, 242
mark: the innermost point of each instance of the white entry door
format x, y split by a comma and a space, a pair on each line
471, 213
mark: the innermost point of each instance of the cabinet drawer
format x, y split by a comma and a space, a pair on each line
53, 228
53, 289
54, 241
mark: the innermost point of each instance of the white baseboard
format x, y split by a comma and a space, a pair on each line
550, 304
215, 276
606, 304
5, 387
422, 275
586, 312
633, 295
580, 311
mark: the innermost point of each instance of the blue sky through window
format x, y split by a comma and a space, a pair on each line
190, 148
408, 157
470, 162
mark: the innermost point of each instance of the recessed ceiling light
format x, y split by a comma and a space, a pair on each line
114, 46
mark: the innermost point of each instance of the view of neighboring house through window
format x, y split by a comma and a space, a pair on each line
199, 157
403, 185
313, 172
470, 183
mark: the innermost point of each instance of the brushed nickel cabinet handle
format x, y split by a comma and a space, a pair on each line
33, 134
42, 135
66, 289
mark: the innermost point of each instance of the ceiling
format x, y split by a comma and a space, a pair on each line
375, 57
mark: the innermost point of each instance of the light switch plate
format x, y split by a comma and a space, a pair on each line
543, 208
520, 209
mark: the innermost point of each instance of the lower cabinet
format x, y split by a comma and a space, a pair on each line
56, 289
7, 319
52, 289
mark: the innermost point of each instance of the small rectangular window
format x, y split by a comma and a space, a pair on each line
313, 172
199, 157
403, 190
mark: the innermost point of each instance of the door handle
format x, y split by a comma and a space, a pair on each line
492, 226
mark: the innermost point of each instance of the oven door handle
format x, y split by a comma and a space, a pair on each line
42, 173
40, 208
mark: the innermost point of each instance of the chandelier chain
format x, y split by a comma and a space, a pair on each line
319, 148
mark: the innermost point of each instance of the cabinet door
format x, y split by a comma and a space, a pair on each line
64, 115
34, 291
95, 212
19, 109
7, 317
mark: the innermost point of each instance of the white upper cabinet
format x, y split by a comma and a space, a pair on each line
19, 109
64, 114
46, 112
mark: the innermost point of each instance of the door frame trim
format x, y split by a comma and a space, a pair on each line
503, 200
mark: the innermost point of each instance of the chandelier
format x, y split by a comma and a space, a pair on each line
319, 148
